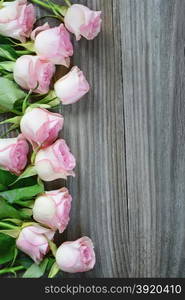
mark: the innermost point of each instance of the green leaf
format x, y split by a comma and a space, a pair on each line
8, 211
48, 97
7, 248
26, 213
29, 172
7, 65
25, 193
9, 76
36, 271
33, 271
53, 247
8, 52
43, 265
14, 233
26, 224
24, 260
28, 204
40, 182
54, 270
5, 40
29, 181
6, 178
9, 94
14, 221
37, 105
51, 261
2, 187
54, 103
29, 46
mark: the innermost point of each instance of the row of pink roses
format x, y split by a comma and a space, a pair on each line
17, 20
41, 128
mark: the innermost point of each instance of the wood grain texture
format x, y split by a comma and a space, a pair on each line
94, 129
128, 137
153, 40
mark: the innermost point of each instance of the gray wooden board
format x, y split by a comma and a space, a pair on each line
128, 137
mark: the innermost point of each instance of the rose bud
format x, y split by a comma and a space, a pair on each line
33, 73
40, 126
71, 87
55, 161
54, 45
13, 154
17, 19
39, 29
32, 240
77, 256
52, 209
82, 21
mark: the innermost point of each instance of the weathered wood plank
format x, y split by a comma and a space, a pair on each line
128, 137
153, 35
94, 129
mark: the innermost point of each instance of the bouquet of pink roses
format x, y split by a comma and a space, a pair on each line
29, 215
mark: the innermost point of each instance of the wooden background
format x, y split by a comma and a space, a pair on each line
128, 135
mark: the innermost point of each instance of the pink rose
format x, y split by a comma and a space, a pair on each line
71, 87
53, 44
17, 19
13, 154
55, 161
77, 256
33, 73
32, 240
40, 126
52, 209
82, 21
39, 29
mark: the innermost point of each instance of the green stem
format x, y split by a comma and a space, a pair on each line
57, 9
5, 225
24, 105
12, 270
41, 3
24, 52
16, 112
34, 155
68, 2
